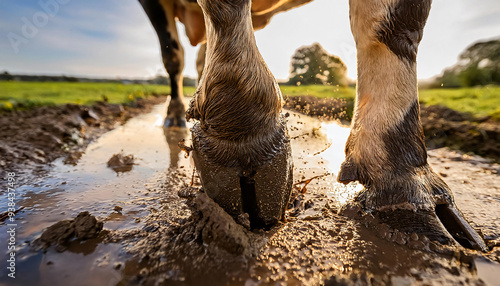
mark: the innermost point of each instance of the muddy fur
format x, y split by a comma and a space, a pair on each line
163, 15
405, 176
248, 153
241, 144
238, 108
385, 150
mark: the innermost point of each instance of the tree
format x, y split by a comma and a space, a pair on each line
479, 64
313, 65
6, 76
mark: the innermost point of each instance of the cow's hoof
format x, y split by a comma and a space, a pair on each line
176, 113
421, 203
262, 191
444, 224
174, 122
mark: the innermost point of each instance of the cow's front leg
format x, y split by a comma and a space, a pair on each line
385, 150
241, 146
162, 17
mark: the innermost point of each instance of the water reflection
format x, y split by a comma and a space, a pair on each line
319, 152
173, 135
334, 243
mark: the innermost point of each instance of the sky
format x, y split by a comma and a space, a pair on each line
114, 39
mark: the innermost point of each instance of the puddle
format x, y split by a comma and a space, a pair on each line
314, 246
92, 186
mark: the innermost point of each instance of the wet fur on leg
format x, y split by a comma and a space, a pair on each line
238, 101
241, 144
385, 151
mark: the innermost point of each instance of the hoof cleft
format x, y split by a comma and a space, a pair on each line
455, 223
262, 191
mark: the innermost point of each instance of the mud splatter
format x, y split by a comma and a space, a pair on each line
167, 232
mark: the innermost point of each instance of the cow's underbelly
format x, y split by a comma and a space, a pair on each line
263, 6
191, 16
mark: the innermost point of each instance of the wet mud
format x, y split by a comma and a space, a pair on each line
84, 226
160, 229
31, 139
120, 162
443, 127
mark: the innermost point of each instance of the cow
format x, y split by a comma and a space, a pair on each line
241, 145
163, 14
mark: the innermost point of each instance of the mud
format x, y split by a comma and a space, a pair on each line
324, 108
121, 163
159, 229
83, 226
443, 127
31, 139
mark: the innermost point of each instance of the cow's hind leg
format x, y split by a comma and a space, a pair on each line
162, 16
385, 150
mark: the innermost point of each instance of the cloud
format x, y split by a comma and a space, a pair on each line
114, 38
95, 40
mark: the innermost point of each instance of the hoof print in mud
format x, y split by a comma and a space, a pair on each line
261, 190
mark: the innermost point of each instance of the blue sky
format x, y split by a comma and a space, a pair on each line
113, 38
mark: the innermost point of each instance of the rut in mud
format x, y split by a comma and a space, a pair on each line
159, 228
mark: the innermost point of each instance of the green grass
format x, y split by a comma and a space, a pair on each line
481, 101
320, 91
24, 95
477, 101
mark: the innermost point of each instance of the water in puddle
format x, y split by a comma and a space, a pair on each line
91, 186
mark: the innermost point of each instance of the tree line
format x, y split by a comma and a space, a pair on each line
478, 65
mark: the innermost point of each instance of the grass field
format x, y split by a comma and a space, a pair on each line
320, 91
478, 101
481, 101
24, 95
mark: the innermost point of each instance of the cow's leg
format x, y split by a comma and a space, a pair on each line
200, 60
385, 150
241, 146
162, 17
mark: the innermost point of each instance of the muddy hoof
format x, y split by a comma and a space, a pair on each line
174, 122
444, 224
261, 191
419, 202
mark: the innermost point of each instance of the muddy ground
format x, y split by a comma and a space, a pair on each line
443, 127
159, 229
31, 139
